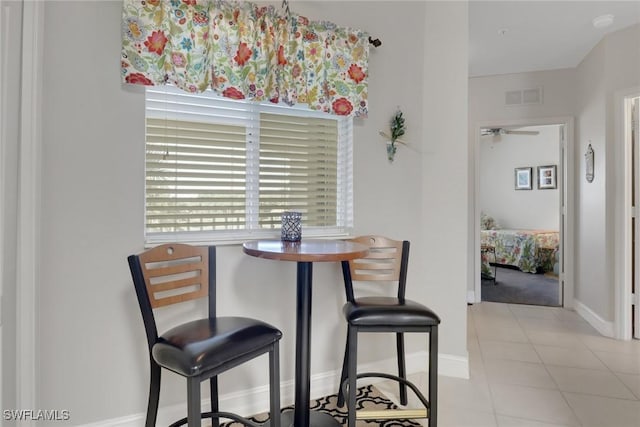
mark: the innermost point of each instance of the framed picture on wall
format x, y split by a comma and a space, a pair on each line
523, 178
547, 177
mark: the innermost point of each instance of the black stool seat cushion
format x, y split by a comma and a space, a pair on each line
388, 311
201, 345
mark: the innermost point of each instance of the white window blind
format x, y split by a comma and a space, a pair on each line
220, 169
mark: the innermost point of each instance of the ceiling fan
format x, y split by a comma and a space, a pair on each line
503, 131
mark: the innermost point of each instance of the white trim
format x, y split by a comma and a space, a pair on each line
5, 16
256, 400
603, 326
471, 296
568, 167
28, 203
450, 365
569, 214
622, 232
477, 256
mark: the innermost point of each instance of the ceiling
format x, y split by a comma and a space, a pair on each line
540, 35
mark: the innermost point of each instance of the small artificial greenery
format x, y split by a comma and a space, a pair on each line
398, 126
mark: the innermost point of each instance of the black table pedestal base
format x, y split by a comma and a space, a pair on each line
317, 419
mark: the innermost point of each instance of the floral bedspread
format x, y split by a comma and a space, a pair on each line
529, 250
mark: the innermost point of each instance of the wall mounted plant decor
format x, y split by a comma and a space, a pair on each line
398, 128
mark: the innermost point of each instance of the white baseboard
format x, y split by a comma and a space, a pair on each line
453, 366
256, 400
471, 297
605, 327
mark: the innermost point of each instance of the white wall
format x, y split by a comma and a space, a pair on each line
519, 209
446, 206
486, 107
587, 93
92, 357
486, 96
11, 32
592, 285
623, 73
613, 65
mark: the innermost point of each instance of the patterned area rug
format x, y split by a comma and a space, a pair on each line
368, 397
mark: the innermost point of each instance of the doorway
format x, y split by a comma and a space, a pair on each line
520, 214
627, 289
543, 178
631, 126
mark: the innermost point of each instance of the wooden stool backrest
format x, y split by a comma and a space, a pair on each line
175, 273
382, 263
387, 261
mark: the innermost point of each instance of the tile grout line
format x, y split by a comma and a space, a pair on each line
617, 374
611, 371
482, 361
554, 322
564, 398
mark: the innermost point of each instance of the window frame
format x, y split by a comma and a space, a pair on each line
344, 186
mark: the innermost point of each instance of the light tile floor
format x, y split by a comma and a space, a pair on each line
539, 367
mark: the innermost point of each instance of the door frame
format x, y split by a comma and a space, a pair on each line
566, 206
30, 153
623, 258
3, 142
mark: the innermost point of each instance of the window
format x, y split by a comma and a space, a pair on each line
224, 170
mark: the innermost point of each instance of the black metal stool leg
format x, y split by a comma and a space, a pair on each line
352, 390
154, 394
274, 386
193, 402
215, 407
402, 369
343, 375
495, 268
433, 377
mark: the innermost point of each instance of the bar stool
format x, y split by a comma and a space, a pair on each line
201, 349
387, 261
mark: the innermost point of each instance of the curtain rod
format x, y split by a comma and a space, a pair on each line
375, 42
285, 6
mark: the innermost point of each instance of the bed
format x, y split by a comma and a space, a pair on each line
531, 251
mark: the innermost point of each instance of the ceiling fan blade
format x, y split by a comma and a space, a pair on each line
490, 131
503, 131
522, 132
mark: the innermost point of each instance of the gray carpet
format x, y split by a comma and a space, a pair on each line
517, 287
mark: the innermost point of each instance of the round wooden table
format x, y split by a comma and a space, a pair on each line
305, 253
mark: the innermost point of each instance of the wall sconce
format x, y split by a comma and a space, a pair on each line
588, 158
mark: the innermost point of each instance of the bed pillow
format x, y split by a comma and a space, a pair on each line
487, 222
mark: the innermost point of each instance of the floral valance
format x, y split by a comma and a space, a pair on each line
245, 51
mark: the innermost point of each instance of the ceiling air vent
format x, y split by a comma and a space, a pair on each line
523, 97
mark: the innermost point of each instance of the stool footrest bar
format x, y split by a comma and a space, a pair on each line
227, 415
408, 383
388, 414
